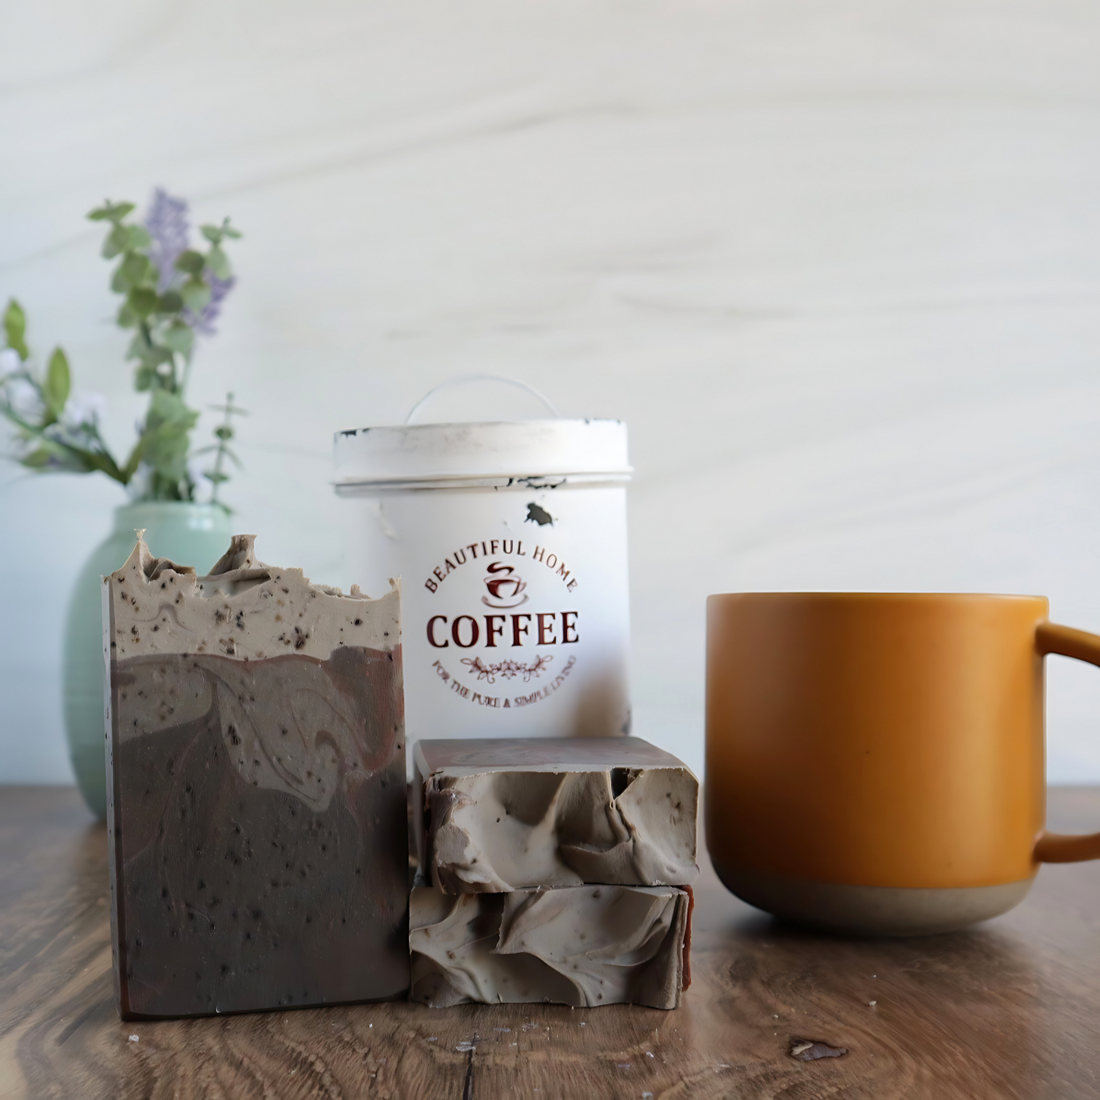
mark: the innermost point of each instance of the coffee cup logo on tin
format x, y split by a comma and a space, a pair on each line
505, 587
504, 591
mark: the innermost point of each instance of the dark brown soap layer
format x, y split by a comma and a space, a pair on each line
233, 892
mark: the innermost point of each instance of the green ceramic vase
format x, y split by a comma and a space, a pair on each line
191, 534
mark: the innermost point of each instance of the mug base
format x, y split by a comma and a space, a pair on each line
872, 910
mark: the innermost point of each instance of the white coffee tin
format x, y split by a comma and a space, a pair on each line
510, 542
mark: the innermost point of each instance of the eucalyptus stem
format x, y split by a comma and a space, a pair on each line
224, 433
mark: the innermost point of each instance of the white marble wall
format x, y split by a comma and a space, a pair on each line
837, 264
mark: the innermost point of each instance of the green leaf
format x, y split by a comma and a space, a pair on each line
111, 211
94, 461
164, 372
134, 270
196, 294
171, 408
142, 348
52, 455
116, 242
224, 432
218, 262
142, 300
178, 337
58, 382
190, 261
171, 301
147, 353
137, 237
57, 454
15, 327
127, 318
37, 460
215, 234
215, 476
165, 438
144, 378
127, 472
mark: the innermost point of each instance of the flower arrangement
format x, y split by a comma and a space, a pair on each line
172, 294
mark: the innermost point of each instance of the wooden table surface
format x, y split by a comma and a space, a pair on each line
1010, 1009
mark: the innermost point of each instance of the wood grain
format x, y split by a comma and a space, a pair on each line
1007, 1010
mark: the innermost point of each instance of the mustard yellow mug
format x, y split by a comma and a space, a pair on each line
875, 762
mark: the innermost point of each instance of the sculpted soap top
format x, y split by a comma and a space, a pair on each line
495, 816
256, 795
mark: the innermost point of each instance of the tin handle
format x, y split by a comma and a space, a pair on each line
479, 378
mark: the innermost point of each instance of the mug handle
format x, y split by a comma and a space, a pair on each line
1067, 642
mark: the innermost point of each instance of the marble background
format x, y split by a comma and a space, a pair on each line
837, 264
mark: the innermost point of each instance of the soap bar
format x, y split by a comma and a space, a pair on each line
256, 789
507, 814
577, 945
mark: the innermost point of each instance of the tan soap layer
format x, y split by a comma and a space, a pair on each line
499, 815
582, 945
242, 609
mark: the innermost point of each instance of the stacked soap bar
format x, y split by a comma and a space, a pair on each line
256, 786
552, 869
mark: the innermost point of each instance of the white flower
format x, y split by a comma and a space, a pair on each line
9, 362
83, 408
24, 399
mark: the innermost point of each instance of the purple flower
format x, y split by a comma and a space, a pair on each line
168, 226
203, 323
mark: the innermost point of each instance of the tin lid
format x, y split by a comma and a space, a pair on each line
509, 450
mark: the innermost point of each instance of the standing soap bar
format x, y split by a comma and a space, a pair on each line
255, 783
516, 813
